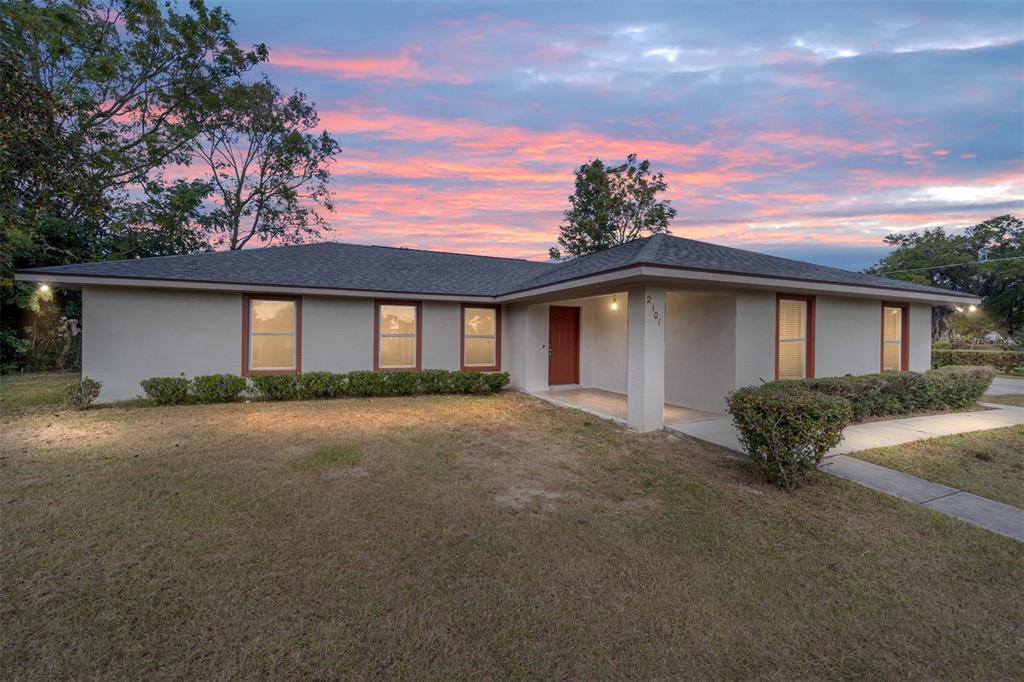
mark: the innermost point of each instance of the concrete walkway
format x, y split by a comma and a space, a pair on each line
995, 516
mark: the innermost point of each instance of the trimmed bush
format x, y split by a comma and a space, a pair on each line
787, 429
894, 393
81, 395
1003, 360
217, 388
956, 387
165, 390
276, 386
313, 385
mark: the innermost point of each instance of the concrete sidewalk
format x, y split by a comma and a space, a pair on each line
995, 516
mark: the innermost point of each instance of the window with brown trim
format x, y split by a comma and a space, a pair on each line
895, 354
271, 334
794, 337
481, 338
397, 330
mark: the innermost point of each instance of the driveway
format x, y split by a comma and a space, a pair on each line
1006, 386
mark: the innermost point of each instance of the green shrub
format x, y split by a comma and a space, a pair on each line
957, 387
313, 385
165, 390
787, 429
1003, 360
217, 388
895, 393
81, 395
1017, 371
276, 386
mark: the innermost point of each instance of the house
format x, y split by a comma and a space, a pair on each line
660, 320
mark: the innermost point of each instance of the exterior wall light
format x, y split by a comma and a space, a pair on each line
971, 308
44, 288
614, 304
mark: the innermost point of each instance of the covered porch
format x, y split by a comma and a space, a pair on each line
646, 355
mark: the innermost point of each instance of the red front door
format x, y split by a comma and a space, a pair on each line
563, 345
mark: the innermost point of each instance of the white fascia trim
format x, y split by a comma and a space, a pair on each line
740, 281
79, 281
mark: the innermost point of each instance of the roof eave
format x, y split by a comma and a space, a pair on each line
694, 276
77, 281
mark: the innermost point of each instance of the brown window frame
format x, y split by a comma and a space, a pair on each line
809, 343
904, 336
496, 367
377, 303
246, 336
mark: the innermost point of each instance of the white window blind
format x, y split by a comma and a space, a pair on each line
397, 336
792, 339
480, 341
272, 335
892, 339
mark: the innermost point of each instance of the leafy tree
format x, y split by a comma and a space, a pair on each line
95, 98
269, 169
987, 260
613, 205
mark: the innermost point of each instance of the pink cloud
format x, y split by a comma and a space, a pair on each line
403, 66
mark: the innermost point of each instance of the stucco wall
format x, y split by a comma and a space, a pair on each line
337, 334
755, 338
847, 336
524, 346
133, 334
603, 343
920, 338
700, 349
442, 340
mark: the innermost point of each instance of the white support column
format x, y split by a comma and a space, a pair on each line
646, 358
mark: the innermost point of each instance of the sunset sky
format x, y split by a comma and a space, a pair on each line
809, 130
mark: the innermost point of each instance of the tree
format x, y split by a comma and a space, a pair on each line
269, 170
987, 260
613, 205
95, 98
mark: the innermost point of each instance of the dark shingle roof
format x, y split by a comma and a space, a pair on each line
327, 265
678, 252
330, 265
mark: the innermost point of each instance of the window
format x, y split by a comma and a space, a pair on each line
272, 326
894, 338
481, 329
398, 335
794, 340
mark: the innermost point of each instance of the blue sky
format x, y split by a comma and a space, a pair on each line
807, 130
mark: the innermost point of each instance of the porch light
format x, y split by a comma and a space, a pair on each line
614, 304
971, 308
45, 288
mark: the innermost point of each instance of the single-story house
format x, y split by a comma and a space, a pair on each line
659, 320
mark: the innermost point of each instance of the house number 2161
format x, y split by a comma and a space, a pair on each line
654, 311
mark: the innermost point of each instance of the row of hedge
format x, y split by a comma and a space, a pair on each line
219, 388
1003, 360
787, 426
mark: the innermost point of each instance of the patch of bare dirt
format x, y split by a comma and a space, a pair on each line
528, 498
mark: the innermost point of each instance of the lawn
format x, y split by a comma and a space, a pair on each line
466, 537
21, 391
986, 463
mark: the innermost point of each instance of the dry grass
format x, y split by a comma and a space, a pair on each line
374, 539
986, 463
